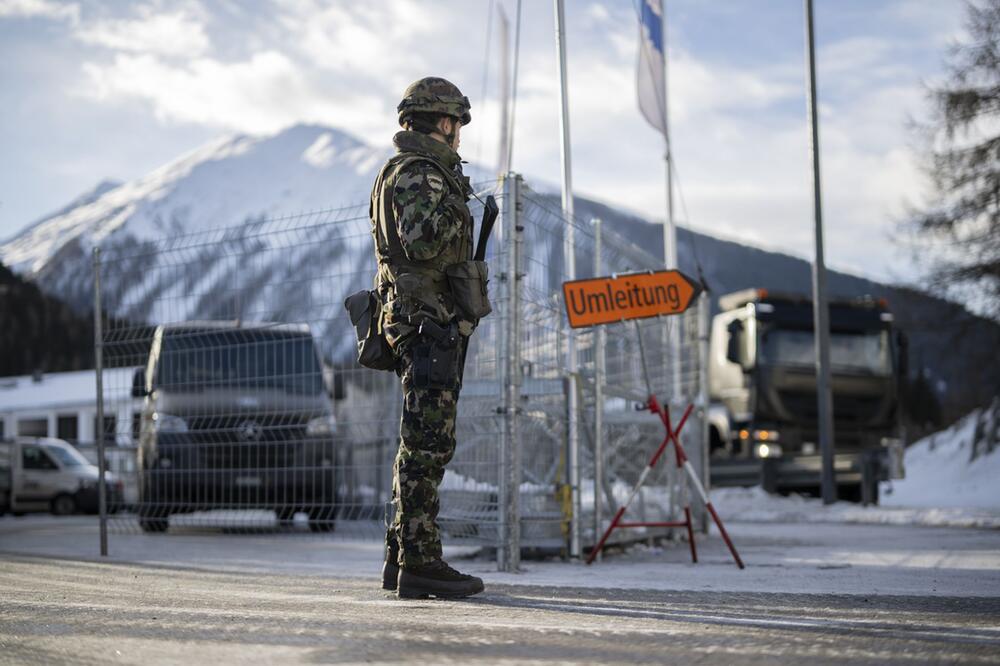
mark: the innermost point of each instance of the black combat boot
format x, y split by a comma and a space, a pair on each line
436, 579
390, 569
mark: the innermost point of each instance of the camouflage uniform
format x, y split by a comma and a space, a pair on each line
421, 225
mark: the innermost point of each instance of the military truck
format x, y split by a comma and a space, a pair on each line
763, 414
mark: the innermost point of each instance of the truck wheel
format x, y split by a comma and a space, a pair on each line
321, 519
871, 497
63, 505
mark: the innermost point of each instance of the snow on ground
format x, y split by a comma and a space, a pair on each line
944, 486
942, 470
754, 505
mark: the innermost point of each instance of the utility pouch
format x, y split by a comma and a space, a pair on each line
436, 354
468, 280
373, 350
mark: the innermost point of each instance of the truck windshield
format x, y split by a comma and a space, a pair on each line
194, 361
852, 352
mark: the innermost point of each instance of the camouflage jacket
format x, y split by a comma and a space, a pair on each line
421, 224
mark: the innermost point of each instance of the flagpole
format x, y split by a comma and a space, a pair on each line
669, 230
572, 399
671, 339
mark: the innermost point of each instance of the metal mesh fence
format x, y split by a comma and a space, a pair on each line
241, 406
616, 444
229, 367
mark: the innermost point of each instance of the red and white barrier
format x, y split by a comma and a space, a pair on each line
682, 463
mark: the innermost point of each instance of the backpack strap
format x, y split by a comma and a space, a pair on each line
386, 233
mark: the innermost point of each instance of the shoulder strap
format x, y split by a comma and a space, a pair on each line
386, 233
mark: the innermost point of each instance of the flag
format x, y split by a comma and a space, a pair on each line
650, 83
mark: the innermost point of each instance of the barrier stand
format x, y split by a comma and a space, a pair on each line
682, 463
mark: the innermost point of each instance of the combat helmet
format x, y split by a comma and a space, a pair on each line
433, 94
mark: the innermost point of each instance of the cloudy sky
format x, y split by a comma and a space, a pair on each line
112, 89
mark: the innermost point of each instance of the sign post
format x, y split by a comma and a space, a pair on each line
632, 297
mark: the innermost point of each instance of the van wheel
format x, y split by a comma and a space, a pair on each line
321, 519
153, 524
63, 505
153, 518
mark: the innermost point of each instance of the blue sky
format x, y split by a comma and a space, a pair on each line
93, 90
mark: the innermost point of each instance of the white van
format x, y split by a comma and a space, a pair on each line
40, 474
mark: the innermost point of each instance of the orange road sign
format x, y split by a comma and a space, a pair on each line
606, 300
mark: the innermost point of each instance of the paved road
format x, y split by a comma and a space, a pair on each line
62, 611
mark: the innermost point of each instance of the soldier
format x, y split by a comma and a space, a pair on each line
422, 226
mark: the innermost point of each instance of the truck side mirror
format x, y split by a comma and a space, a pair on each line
139, 383
735, 329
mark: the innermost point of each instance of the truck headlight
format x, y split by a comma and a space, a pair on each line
169, 423
768, 451
322, 425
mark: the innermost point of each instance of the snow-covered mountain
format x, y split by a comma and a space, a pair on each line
230, 180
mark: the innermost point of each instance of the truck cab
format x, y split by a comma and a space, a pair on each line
762, 386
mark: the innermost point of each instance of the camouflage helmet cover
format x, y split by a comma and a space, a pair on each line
432, 94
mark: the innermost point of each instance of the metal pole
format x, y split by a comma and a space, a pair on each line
513, 102
703, 329
669, 227
572, 429
672, 342
820, 312
102, 497
503, 369
514, 382
600, 372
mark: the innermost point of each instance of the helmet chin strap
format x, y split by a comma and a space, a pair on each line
428, 128
450, 136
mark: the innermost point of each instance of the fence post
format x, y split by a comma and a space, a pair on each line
704, 322
509, 548
600, 371
102, 505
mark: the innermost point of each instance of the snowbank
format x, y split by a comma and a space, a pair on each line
955, 468
754, 505
952, 479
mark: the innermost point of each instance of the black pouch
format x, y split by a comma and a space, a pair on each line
373, 350
468, 280
436, 355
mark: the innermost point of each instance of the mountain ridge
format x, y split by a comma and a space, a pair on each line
239, 181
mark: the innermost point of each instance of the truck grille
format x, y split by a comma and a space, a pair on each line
847, 410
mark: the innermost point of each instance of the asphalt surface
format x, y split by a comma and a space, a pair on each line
78, 612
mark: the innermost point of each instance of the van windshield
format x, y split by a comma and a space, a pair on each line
66, 457
245, 359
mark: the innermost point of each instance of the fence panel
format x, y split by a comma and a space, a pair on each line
228, 364
627, 436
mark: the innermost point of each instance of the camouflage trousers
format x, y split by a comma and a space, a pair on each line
426, 445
